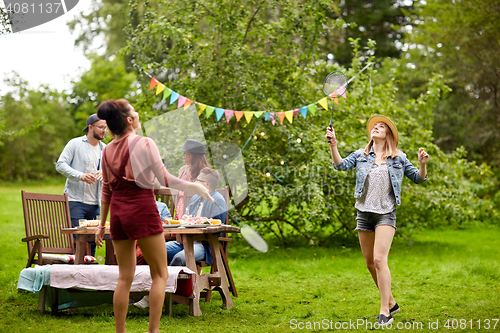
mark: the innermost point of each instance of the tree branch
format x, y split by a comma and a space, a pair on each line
251, 20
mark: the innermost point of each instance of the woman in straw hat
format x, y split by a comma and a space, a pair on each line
379, 173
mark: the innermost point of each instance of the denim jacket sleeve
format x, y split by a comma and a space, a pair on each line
348, 163
411, 172
63, 165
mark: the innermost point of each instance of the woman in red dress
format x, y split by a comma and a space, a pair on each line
129, 167
195, 160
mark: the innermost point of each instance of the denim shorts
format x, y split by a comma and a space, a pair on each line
367, 221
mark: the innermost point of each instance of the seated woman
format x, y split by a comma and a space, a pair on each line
199, 207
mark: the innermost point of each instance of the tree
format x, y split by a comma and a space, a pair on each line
383, 21
42, 118
106, 79
4, 22
106, 20
460, 40
244, 55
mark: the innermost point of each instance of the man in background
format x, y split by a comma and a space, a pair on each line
80, 163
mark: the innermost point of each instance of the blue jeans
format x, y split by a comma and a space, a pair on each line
176, 255
78, 211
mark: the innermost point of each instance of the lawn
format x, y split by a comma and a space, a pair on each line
443, 275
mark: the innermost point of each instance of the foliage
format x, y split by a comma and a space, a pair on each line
4, 22
383, 21
106, 79
106, 20
24, 111
265, 58
464, 48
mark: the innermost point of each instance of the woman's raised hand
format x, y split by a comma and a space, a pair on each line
330, 133
423, 157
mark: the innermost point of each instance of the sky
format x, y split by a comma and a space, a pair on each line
44, 54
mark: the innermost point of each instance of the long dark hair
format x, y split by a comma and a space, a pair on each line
198, 162
115, 112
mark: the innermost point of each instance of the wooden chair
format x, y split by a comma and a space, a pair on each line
224, 241
169, 196
44, 217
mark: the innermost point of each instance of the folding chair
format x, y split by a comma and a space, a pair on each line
44, 217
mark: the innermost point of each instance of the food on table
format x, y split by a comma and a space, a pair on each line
92, 223
199, 220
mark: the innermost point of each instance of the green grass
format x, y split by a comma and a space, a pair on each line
444, 274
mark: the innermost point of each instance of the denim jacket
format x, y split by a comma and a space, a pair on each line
398, 166
73, 163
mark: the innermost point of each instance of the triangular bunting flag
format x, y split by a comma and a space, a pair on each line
336, 100
159, 88
303, 111
238, 115
281, 115
187, 104
324, 103
248, 116
295, 112
229, 114
181, 101
312, 109
166, 92
201, 108
257, 114
289, 116
218, 113
340, 91
153, 83
173, 97
209, 110
267, 116
273, 121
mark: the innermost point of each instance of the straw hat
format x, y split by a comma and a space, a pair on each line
379, 118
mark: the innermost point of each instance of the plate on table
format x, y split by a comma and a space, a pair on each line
196, 225
171, 226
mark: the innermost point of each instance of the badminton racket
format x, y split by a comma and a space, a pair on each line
335, 84
251, 235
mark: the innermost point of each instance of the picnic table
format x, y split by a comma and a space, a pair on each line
215, 280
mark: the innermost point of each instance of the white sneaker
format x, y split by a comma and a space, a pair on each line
143, 302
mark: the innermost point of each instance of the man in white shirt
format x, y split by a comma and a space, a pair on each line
80, 163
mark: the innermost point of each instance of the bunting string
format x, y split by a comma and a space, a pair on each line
182, 101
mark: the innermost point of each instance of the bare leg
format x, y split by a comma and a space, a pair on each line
125, 256
367, 243
384, 235
154, 251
